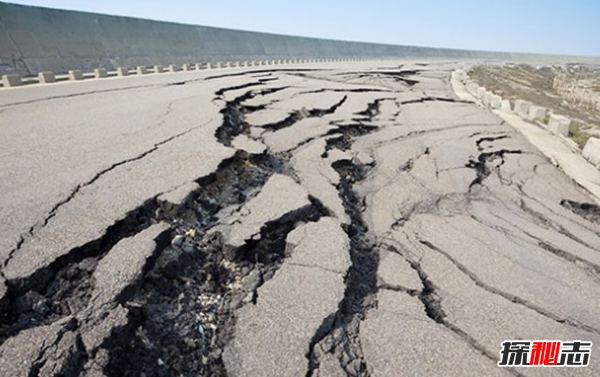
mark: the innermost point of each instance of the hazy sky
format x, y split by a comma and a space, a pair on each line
545, 26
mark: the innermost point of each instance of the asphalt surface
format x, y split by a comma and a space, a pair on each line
354, 219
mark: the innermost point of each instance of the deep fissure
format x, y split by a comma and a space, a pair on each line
339, 332
63, 287
484, 161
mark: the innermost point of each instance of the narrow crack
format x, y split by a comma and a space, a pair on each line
590, 267
512, 298
432, 99
66, 96
347, 90
283, 70
413, 134
35, 228
547, 223
500, 133
399, 288
432, 303
220, 92
589, 211
428, 295
399, 76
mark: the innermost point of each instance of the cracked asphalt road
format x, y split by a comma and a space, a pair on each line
353, 220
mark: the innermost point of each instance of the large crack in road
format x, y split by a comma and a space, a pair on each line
340, 222
338, 335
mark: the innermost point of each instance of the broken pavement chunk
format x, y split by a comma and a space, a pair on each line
179, 196
394, 270
321, 244
124, 264
273, 336
26, 351
279, 196
245, 143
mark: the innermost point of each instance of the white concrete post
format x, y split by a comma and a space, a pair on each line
558, 124
99, 73
11, 80
46, 77
591, 151
487, 98
75, 75
537, 113
496, 101
480, 92
506, 106
522, 108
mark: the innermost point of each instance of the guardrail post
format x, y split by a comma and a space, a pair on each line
558, 124
75, 75
11, 80
46, 77
98, 73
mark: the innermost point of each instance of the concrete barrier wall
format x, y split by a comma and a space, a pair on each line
34, 39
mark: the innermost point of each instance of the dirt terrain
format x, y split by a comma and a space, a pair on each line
537, 85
